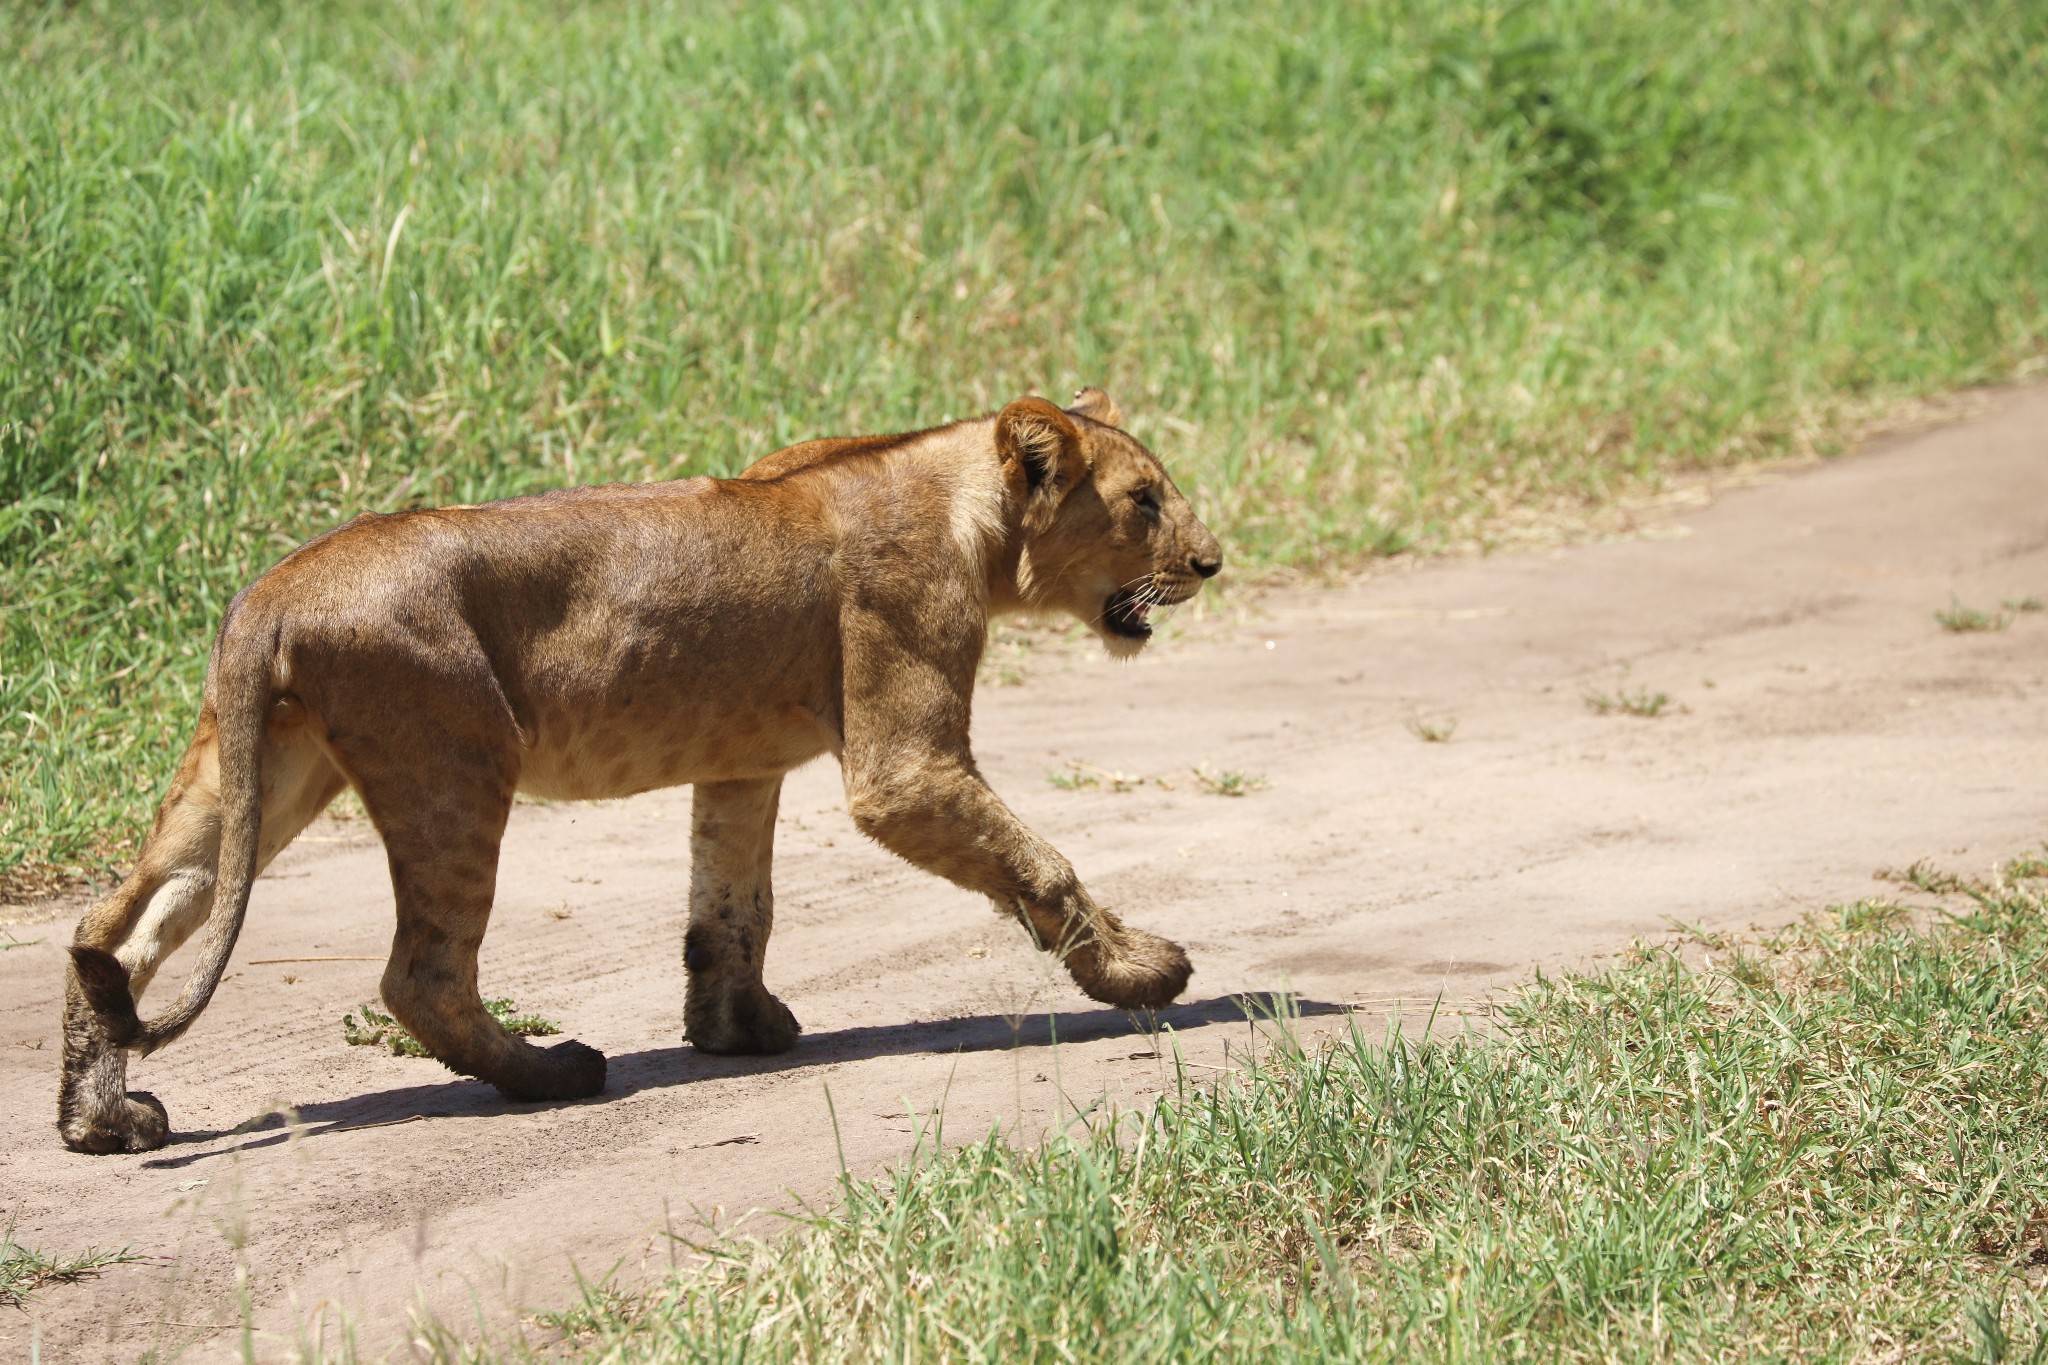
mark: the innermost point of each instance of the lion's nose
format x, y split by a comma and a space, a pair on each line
1209, 567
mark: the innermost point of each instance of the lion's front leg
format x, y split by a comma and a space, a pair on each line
936, 811
914, 788
726, 1008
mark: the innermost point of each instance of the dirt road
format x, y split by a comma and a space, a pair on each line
1821, 725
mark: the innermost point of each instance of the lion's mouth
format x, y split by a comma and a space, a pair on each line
1126, 613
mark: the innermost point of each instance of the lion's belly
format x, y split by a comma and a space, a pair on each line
572, 759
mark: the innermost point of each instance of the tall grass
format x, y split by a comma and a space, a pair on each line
1830, 1147
1366, 273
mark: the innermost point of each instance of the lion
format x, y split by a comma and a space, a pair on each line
597, 642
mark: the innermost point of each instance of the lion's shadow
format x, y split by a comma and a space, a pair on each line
663, 1068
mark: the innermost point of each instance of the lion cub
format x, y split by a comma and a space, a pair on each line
596, 642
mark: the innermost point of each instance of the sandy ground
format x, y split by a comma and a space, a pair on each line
1822, 726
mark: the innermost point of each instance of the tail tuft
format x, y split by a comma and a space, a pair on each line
105, 984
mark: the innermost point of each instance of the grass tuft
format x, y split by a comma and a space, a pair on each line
1961, 620
24, 1271
1228, 781
1077, 776
1923, 875
1638, 701
378, 1029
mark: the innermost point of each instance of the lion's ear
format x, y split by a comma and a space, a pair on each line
1042, 442
1096, 406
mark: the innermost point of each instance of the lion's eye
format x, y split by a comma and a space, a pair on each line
1147, 499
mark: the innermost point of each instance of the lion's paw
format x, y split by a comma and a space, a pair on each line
139, 1124
1146, 972
567, 1071
753, 1024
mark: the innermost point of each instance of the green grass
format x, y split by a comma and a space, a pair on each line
1630, 701
1227, 781
23, 1271
1958, 619
1831, 1145
1078, 776
378, 1029
1368, 275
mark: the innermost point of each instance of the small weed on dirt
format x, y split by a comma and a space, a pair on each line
2022, 605
1958, 619
1227, 782
1433, 729
378, 1029
1079, 776
23, 1271
1638, 701
1925, 876
2027, 868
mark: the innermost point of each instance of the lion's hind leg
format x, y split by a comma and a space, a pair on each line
441, 831
123, 940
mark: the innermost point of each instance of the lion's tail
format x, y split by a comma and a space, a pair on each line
241, 678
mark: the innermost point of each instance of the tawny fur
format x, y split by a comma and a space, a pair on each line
597, 642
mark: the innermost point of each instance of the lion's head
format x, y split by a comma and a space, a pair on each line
1107, 535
